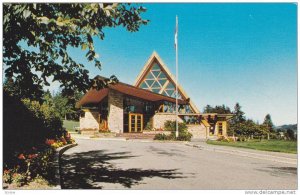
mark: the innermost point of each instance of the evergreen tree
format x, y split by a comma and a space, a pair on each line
238, 114
268, 122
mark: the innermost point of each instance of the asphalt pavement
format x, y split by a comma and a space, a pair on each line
142, 164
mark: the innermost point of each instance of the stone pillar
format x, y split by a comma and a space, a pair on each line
115, 111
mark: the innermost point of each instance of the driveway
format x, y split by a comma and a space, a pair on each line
104, 164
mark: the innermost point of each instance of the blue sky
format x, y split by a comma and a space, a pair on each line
228, 53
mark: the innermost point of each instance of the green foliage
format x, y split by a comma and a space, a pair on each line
183, 135
217, 109
161, 136
46, 113
26, 124
238, 114
249, 128
171, 126
65, 106
266, 145
268, 123
290, 134
37, 36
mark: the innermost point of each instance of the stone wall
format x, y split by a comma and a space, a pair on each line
90, 121
159, 119
115, 111
198, 131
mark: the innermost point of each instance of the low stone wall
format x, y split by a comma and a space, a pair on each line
159, 119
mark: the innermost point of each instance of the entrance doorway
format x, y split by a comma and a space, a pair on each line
135, 123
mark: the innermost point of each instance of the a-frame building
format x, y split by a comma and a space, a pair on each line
146, 106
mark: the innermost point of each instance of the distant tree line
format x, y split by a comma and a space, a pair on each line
245, 129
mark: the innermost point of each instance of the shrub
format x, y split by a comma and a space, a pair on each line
183, 134
171, 126
25, 124
19, 179
162, 136
7, 176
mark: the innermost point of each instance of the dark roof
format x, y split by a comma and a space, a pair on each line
93, 96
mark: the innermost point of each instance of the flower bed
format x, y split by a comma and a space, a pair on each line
34, 163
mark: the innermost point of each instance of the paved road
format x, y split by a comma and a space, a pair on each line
153, 165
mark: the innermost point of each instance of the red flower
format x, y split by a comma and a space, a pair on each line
49, 141
31, 156
6, 171
21, 157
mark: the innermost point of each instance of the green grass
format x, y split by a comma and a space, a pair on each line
271, 145
69, 125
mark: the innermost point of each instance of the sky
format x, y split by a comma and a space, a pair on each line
228, 53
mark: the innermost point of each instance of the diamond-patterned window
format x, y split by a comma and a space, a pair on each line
149, 82
156, 73
157, 81
162, 81
156, 85
149, 76
155, 67
162, 76
170, 86
144, 85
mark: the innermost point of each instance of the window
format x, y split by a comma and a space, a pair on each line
220, 127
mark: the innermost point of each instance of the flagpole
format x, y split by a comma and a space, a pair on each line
176, 37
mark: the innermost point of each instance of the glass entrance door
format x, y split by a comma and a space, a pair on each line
135, 122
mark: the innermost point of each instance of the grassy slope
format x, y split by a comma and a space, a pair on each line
271, 145
68, 124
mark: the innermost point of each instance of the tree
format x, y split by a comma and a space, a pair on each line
238, 114
207, 109
37, 36
268, 122
66, 108
290, 134
217, 109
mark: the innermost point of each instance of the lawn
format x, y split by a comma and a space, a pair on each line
69, 125
271, 145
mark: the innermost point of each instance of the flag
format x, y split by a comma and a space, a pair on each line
176, 32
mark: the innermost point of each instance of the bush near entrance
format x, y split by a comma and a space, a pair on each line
183, 134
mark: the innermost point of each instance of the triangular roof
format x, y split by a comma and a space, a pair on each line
152, 61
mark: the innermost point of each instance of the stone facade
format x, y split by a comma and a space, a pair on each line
159, 119
199, 131
115, 111
90, 121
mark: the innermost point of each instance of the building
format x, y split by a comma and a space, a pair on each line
146, 105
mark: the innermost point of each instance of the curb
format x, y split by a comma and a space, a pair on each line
268, 157
56, 163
